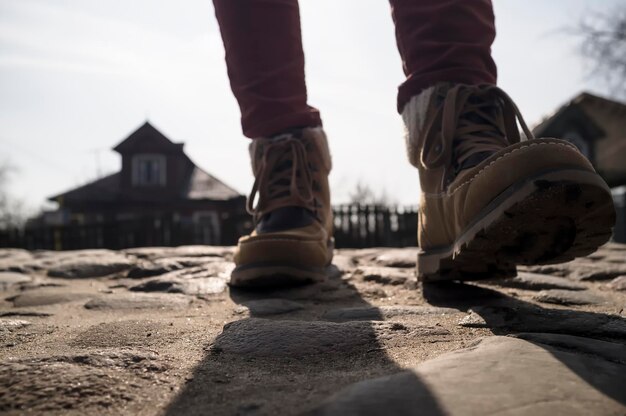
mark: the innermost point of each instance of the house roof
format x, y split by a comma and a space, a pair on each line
203, 185
574, 112
101, 190
193, 183
147, 137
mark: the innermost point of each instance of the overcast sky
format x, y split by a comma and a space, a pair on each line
77, 76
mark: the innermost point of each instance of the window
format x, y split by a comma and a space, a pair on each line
149, 170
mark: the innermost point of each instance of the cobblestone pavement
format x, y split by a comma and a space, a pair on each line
158, 331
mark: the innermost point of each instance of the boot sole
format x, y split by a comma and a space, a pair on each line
279, 274
551, 218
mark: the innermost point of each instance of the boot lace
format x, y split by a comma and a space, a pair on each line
476, 121
283, 177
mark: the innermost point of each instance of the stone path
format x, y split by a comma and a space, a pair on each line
157, 331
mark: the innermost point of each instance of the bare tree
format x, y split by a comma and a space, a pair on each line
603, 45
11, 209
363, 194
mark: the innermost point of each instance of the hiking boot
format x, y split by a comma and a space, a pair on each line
292, 240
493, 199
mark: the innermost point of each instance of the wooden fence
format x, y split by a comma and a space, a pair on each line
356, 226
359, 226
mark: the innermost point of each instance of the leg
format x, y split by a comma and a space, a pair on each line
491, 198
266, 64
292, 239
443, 41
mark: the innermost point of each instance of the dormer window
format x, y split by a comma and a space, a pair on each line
149, 170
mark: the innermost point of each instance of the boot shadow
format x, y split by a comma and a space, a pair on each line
510, 316
273, 349
283, 345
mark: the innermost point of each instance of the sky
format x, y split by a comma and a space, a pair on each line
78, 76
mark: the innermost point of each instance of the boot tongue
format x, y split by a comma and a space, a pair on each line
463, 156
285, 218
470, 162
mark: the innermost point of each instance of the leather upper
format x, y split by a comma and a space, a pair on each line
293, 214
468, 150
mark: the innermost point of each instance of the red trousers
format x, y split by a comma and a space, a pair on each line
438, 40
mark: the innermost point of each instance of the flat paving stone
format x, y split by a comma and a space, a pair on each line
372, 313
384, 275
568, 297
12, 259
344, 263
256, 337
10, 253
42, 297
154, 253
118, 301
150, 269
195, 286
85, 266
159, 267
583, 270
45, 260
404, 257
500, 375
531, 319
220, 269
610, 351
9, 279
40, 282
535, 281
266, 307
209, 279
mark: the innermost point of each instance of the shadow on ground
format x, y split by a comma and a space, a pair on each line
506, 315
268, 358
283, 357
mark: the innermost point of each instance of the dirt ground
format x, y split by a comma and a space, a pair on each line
157, 331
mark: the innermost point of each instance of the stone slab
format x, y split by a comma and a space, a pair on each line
536, 281
385, 275
117, 301
256, 337
267, 307
9, 279
498, 376
39, 297
371, 313
531, 319
404, 257
569, 297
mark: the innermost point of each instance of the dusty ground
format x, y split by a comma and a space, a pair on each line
158, 331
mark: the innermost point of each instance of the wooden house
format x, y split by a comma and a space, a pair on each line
597, 126
159, 191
